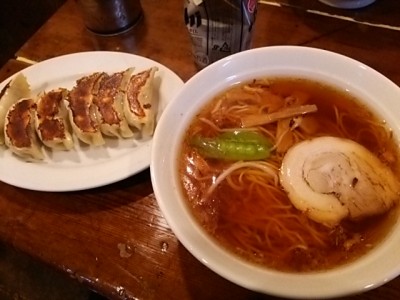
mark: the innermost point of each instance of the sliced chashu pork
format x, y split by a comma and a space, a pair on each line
331, 179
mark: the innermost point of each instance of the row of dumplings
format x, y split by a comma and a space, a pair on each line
100, 104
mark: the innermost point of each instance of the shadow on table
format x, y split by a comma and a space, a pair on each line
19, 19
23, 278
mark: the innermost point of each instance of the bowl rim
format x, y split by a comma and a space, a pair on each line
334, 68
348, 4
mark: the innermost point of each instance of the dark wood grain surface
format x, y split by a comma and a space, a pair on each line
384, 13
114, 238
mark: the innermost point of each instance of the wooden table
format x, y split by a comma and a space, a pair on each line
114, 239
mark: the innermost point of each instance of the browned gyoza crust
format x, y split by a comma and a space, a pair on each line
51, 117
82, 116
108, 100
18, 128
14, 90
20, 135
47, 109
139, 104
105, 97
136, 83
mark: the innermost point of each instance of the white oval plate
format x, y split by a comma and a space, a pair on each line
85, 167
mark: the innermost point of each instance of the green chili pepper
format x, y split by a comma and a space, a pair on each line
235, 145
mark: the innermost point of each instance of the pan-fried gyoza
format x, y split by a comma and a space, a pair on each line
115, 105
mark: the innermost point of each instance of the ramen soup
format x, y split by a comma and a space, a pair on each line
291, 174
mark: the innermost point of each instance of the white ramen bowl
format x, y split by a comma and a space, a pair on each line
375, 268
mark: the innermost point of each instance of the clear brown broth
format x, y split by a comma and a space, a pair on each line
369, 232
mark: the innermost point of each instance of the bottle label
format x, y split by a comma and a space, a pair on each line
219, 28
